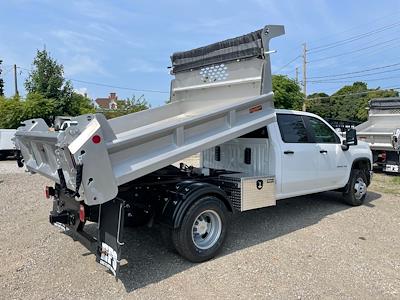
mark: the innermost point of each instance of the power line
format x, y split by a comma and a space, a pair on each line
287, 64
357, 26
353, 38
363, 75
118, 87
356, 72
109, 85
353, 51
346, 81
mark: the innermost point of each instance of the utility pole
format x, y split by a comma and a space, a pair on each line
15, 80
297, 75
1, 81
305, 76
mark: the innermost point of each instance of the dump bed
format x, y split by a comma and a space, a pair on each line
383, 120
220, 92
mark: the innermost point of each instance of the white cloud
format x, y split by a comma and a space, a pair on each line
101, 10
143, 66
80, 64
76, 41
81, 91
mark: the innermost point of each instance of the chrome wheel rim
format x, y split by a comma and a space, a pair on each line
206, 229
360, 188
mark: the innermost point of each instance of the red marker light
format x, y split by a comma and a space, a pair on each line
47, 192
96, 139
82, 213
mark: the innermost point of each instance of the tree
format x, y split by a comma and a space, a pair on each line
36, 106
287, 93
50, 94
47, 79
320, 104
11, 112
80, 105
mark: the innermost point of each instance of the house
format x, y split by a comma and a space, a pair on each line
108, 103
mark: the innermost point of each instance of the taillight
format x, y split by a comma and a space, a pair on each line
96, 139
82, 213
383, 155
49, 192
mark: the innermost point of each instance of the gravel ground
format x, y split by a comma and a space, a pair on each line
304, 248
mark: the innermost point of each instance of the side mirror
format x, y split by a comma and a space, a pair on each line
351, 139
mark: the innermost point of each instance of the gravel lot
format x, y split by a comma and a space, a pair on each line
304, 248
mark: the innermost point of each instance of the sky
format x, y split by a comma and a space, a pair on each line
127, 44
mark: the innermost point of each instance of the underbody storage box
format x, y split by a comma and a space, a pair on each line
251, 192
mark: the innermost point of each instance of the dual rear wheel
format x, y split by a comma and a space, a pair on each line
202, 232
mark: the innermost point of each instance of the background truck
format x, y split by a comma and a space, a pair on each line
119, 172
382, 133
7, 147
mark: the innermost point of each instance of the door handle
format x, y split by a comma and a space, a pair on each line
323, 151
288, 152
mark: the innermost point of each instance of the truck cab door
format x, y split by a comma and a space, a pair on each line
299, 162
332, 162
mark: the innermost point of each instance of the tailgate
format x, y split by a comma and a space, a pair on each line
76, 157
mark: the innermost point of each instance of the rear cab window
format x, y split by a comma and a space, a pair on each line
293, 129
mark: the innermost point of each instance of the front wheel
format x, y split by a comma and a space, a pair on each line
357, 190
203, 230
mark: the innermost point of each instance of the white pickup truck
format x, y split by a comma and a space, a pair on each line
119, 172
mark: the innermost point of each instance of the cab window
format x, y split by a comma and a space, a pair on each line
322, 133
292, 128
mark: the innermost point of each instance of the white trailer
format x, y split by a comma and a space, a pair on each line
382, 133
7, 147
118, 172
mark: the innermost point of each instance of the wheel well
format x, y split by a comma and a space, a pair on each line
364, 165
196, 197
228, 205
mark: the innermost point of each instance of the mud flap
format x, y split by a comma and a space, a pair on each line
111, 224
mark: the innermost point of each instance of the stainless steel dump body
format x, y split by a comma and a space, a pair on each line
220, 92
383, 120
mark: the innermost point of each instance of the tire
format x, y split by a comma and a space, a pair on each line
357, 190
203, 230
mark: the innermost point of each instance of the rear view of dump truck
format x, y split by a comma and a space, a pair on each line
382, 132
105, 170
119, 172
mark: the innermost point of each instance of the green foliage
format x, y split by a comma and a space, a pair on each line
80, 105
348, 103
11, 112
49, 95
320, 104
287, 93
127, 106
47, 78
36, 106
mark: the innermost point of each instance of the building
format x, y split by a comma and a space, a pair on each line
108, 103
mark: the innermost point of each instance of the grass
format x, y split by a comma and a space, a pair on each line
388, 184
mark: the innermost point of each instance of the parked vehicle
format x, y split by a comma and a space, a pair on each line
119, 172
7, 147
382, 133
